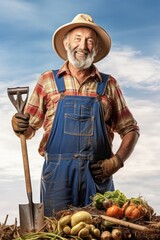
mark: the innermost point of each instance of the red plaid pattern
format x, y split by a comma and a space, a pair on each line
44, 99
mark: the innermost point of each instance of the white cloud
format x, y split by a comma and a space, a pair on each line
133, 69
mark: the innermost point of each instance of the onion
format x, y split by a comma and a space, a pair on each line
117, 234
114, 211
81, 216
107, 203
132, 212
143, 210
106, 235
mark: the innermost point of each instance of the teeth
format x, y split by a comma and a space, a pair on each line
81, 53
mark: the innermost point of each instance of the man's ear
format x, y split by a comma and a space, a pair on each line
97, 48
65, 43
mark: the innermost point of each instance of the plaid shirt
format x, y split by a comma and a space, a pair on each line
44, 99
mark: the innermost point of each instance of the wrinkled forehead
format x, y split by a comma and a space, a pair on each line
83, 30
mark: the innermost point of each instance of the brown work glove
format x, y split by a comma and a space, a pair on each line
20, 122
103, 169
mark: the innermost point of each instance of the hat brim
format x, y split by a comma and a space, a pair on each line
104, 39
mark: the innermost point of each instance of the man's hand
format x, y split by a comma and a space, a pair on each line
20, 122
103, 169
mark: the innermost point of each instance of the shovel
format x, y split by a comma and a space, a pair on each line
31, 214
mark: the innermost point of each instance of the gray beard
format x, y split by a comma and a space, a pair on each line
80, 64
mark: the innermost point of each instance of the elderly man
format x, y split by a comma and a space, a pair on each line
80, 109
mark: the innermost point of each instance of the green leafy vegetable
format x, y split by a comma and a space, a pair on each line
116, 197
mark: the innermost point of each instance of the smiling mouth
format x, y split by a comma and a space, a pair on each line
81, 54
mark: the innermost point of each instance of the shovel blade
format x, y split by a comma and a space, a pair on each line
31, 220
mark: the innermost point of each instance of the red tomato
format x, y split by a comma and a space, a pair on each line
114, 211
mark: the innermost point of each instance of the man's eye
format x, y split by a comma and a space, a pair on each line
77, 39
90, 41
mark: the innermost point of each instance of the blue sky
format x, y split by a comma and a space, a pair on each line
26, 51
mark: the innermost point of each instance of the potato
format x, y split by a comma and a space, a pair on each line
96, 233
77, 228
81, 216
84, 232
64, 220
67, 230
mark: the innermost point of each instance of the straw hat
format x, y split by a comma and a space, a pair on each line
81, 20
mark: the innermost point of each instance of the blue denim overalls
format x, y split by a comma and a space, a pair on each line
78, 137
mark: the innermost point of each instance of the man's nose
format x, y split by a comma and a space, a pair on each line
83, 44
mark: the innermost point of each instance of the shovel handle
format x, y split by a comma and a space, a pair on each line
26, 167
15, 95
18, 97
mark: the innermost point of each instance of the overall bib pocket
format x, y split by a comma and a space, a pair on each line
78, 125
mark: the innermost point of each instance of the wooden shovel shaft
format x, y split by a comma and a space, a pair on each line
26, 167
30, 208
127, 224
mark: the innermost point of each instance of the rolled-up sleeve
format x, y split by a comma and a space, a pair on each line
122, 119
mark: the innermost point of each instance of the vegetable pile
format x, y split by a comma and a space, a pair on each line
91, 222
117, 205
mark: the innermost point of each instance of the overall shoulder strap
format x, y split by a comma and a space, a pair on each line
102, 85
59, 81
